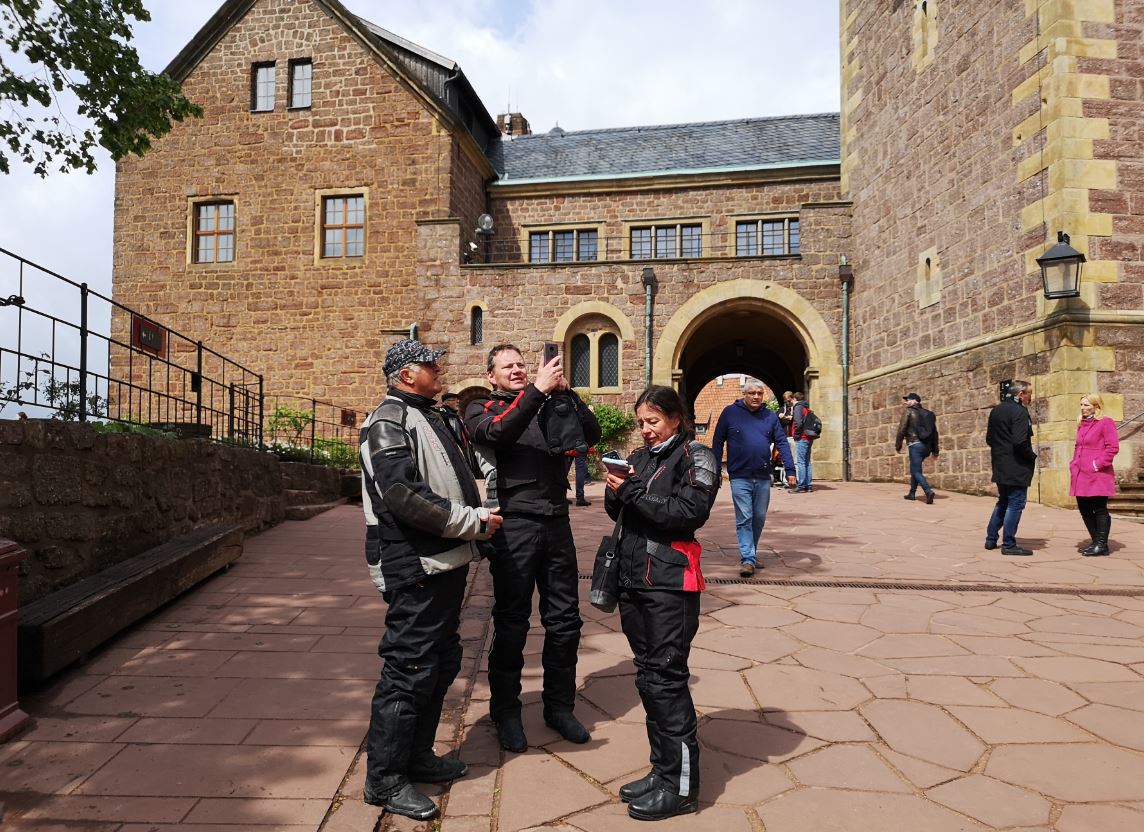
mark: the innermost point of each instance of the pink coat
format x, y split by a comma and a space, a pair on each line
1090, 472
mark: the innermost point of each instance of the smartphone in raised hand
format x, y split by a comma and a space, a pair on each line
617, 466
551, 350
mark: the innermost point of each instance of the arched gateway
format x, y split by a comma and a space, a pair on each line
768, 331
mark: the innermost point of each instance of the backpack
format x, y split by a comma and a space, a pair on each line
925, 425
811, 424
560, 424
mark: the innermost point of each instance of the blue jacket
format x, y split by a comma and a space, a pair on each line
749, 437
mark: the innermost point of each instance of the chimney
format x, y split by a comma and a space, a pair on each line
513, 124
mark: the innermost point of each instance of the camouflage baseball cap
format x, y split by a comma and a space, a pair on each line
408, 351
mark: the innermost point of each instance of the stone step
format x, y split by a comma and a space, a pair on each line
303, 497
312, 510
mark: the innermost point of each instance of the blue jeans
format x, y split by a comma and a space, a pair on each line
1006, 514
802, 463
918, 453
752, 497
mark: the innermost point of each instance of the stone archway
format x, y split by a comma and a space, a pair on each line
765, 330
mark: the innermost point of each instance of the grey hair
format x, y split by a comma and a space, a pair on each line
1019, 387
394, 378
753, 384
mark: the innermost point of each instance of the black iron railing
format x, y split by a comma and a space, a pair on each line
312, 430
125, 367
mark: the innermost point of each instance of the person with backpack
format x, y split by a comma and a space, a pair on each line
806, 427
918, 429
525, 424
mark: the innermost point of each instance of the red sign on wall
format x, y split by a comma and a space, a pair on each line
147, 336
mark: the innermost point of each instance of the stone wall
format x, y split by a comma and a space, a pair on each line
311, 326
79, 501
972, 133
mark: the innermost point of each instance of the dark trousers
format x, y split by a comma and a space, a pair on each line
1094, 512
660, 626
581, 476
918, 453
1006, 514
422, 653
534, 552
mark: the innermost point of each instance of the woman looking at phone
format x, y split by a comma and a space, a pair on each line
666, 495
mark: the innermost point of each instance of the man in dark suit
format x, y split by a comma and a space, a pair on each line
1010, 440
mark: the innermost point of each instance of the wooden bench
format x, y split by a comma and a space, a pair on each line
65, 626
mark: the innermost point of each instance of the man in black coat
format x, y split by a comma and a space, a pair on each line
1010, 440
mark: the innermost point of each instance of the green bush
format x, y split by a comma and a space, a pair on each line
291, 421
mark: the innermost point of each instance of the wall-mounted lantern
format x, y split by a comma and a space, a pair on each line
1060, 269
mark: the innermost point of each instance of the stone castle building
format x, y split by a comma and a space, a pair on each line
329, 200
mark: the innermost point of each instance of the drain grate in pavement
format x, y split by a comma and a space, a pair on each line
1040, 589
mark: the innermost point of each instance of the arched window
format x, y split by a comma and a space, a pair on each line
581, 364
477, 325
608, 370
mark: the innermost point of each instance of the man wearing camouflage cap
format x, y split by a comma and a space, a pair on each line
423, 518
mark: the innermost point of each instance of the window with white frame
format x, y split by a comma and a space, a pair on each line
301, 83
669, 240
262, 87
563, 245
767, 236
343, 226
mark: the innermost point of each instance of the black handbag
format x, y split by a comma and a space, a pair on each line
605, 593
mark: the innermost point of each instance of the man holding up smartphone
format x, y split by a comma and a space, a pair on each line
534, 547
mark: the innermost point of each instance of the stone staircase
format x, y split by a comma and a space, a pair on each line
311, 490
1129, 499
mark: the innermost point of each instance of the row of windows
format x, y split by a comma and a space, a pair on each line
263, 82
752, 238
342, 229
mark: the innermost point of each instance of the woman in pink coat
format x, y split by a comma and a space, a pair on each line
1091, 479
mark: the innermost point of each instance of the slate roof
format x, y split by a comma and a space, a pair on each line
627, 151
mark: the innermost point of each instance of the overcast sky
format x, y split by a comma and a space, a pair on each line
581, 63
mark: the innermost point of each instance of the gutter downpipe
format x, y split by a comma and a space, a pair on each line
846, 278
647, 277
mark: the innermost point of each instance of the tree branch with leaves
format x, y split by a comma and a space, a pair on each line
82, 47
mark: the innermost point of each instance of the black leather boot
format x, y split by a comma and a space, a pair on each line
1090, 525
1099, 547
638, 788
427, 767
567, 726
660, 804
510, 732
398, 797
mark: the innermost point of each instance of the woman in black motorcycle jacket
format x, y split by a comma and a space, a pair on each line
665, 497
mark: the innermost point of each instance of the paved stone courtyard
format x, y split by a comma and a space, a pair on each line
942, 687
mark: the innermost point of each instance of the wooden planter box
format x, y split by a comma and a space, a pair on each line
12, 719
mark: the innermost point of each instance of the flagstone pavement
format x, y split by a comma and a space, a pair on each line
882, 672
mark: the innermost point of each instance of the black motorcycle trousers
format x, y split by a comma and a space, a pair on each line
660, 625
421, 650
538, 553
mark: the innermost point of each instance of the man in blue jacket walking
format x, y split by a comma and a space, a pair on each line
749, 430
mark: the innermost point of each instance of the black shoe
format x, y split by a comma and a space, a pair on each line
1096, 550
990, 545
406, 801
660, 804
929, 499
429, 768
580, 501
908, 497
567, 726
1016, 550
638, 788
1084, 546
510, 732
746, 569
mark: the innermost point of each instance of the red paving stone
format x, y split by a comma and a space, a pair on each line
822, 707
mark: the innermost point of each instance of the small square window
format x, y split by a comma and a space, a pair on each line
564, 245
214, 232
691, 241
746, 245
538, 247
665, 241
301, 82
641, 243
262, 87
588, 243
343, 226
